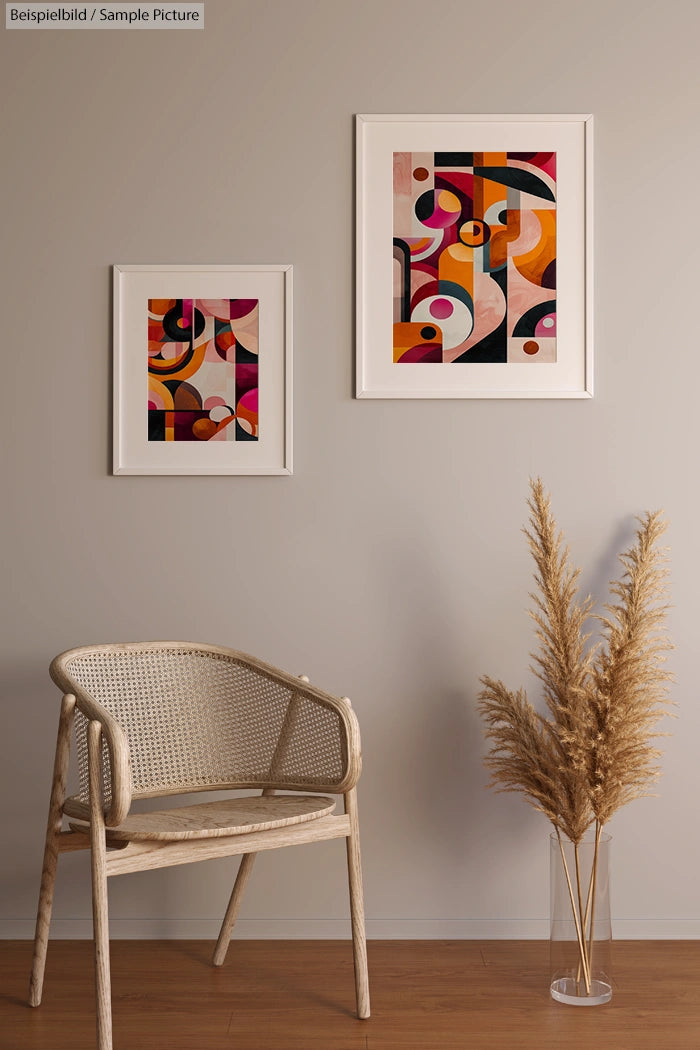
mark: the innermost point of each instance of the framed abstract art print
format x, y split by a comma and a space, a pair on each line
474, 256
202, 369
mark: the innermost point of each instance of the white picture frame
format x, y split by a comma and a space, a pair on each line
241, 438
386, 140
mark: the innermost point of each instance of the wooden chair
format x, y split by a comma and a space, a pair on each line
163, 718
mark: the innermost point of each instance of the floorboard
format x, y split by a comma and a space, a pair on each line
299, 995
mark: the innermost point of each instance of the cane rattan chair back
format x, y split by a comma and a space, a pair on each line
198, 718
165, 718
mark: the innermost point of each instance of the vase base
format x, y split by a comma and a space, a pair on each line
568, 990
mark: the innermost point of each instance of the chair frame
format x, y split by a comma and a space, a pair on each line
111, 856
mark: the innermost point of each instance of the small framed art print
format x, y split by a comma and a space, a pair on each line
202, 369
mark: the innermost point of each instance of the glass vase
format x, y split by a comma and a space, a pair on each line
581, 932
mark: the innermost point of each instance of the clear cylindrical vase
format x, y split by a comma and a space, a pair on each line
581, 932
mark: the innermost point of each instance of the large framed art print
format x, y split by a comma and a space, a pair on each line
474, 256
202, 369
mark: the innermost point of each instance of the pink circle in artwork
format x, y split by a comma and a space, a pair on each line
212, 402
249, 401
441, 308
547, 325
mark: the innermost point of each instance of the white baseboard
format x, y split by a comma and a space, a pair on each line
339, 929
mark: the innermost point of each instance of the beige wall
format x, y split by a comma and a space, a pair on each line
391, 565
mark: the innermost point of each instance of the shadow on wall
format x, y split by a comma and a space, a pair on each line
30, 705
430, 727
596, 578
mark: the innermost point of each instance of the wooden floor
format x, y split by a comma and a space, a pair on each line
299, 995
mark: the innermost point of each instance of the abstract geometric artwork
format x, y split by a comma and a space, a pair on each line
203, 370
474, 256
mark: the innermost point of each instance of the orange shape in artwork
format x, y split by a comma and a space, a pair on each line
456, 264
203, 429
160, 306
533, 264
180, 368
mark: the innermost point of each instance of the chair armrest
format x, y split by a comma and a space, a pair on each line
305, 744
116, 773
318, 748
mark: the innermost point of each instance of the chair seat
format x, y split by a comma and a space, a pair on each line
234, 816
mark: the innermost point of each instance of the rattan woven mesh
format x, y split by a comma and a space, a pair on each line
195, 719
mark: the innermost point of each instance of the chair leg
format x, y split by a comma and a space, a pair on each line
357, 908
244, 870
100, 918
51, 850
43, 917
234, 904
